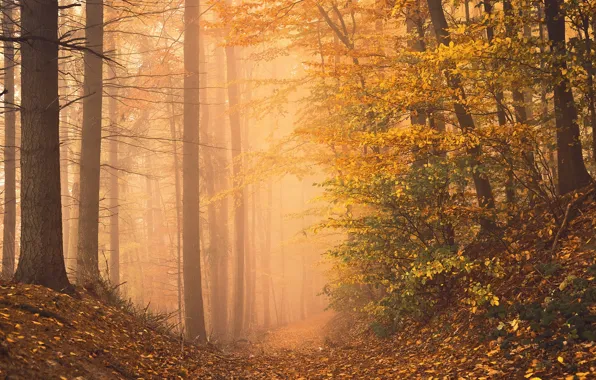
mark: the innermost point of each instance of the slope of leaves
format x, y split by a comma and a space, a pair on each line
49, 335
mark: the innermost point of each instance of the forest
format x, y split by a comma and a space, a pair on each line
298, 189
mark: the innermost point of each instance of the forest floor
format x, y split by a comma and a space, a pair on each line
49, 335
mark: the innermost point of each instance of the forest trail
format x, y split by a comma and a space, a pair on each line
305, 335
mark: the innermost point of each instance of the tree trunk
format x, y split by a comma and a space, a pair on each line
220, 321
239, 200
250, 244
73, 239
193, 292
305, 252
41, 261
570, 162
282, 254
174, 137
266, 257
251, 283
10, 195
64, 182
87, 255
213, 253
483, 187
114, 266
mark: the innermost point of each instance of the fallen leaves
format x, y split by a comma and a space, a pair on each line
118, 346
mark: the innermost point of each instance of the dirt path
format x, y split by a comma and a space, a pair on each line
300, 336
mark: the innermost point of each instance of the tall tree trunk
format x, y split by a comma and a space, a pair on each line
250, 243
501, 116
266, 257
282, 254
174, 137
64, 182
570, 162
551, 171
193, 291
305, 252
483, 187
87, 255
73, 239
150, 244
41, 261
521, 99
251, 270
114, 266
220, 322
10, 195
239, 201
213, 253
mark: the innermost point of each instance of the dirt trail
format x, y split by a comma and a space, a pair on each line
305, 335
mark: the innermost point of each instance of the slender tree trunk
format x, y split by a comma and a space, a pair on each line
571, 168
483, 187
64, 175
220, 321
250, 243
552, 167
174, 137
149, 229
239, 201
521, 99
304, 288
10, 195
251, 286
213, 253
193, 293
282, 254
41, 261
266, 257
87, 255
114, 266
501, 116
73, 239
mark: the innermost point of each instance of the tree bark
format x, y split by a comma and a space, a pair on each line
213, 253
483, 187
174, 136
10, 196
87, 255
250, 244
114, 192
239, 201
193, 293
501, 116
41, 261
570, 162
266, 257
64, 184
220, 321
